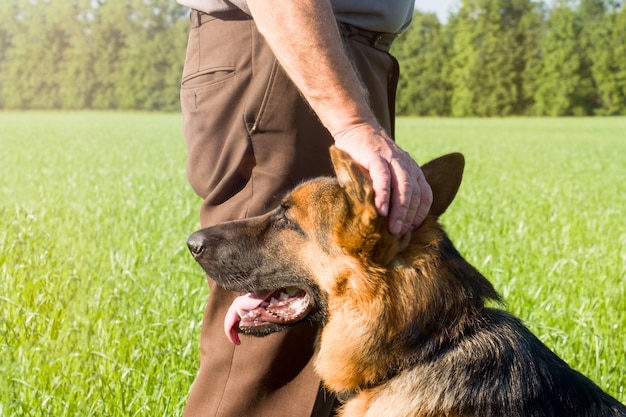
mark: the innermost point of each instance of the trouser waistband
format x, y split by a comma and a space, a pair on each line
378, 40
198, 18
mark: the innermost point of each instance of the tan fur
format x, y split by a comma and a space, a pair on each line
405, 328
379, 295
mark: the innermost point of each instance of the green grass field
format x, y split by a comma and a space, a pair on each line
100, 303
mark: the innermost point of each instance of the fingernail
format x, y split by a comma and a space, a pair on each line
384, 209
397, 227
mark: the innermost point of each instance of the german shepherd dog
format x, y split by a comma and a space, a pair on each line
406, 331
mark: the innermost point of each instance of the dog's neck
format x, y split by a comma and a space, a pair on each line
375, 317
379, 309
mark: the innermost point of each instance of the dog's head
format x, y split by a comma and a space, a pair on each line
292, 260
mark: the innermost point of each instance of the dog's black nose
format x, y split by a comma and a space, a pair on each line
195, 243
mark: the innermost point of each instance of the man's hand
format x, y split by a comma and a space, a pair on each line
305, 31
400, 189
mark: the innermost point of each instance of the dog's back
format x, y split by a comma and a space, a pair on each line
476, 361
501, 369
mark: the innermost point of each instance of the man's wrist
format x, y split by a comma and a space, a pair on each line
348, 129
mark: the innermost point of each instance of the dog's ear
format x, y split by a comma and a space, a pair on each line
444, 175
356, 181
367, 237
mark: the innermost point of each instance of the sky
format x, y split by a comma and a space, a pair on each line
440, 7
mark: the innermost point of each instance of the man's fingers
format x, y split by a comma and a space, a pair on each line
381, 182
400, 190
425, 201
405, 194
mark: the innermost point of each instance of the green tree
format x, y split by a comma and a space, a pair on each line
20, 80
67, 23
564, 87
43, 67
110, 30
8, 14
533, 27
594, 34
423, 53
488, 57
602, 39
493, 58
151, 65
103, 54
616, 94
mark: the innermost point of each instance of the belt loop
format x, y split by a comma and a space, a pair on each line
377, 40
195, 17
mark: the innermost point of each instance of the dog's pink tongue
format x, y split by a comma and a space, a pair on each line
243, 303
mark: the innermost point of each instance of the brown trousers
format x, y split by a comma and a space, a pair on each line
251, 138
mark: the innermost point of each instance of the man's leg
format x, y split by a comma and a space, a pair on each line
250, 139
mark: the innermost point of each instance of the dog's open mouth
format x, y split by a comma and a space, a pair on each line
256, 310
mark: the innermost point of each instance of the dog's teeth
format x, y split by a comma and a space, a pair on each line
273, 301
242, 312
283, 295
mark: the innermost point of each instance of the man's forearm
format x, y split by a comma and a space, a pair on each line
305, 39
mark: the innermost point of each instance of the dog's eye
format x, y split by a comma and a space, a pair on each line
285, 222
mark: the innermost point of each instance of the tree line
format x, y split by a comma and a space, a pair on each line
516, 57
492, 57
91, 54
